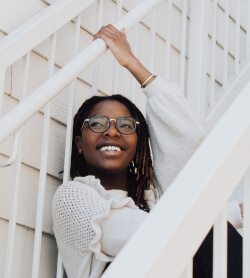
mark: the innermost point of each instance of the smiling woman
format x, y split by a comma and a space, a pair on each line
114, 185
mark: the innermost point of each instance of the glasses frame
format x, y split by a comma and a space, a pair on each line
108, 126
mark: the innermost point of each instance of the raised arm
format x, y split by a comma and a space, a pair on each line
119, 46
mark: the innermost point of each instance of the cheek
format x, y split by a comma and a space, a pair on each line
133, 144
88, 141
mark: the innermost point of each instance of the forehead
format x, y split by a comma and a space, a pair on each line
111, 109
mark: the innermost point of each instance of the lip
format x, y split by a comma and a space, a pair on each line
104, 144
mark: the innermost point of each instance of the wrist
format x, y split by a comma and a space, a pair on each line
132, 64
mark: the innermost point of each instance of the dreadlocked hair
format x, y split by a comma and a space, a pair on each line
140, 168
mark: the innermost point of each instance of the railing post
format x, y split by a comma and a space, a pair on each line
197, 64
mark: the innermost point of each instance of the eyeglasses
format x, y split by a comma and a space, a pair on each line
100, 123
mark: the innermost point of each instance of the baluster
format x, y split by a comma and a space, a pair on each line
43, 167
133, 47
16, 179
237, 39
196, 88
225, 51
115, 63
2, 82
220, 246
212, 75
13, 155
68, 146
168, 39
152, 41
98, 24
183, 44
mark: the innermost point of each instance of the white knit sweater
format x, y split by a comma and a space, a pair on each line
92, 224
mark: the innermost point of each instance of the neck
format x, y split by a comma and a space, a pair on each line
113, 181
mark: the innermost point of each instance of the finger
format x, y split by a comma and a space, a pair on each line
116, 31
124, 32
112, 27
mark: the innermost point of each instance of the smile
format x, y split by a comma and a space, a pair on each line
110, 148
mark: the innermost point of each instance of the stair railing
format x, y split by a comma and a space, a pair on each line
166, 242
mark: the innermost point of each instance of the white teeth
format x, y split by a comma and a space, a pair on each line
110, 148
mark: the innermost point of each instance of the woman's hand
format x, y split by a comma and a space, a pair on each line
119, 46
117, 43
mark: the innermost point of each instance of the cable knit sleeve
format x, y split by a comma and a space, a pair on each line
174, 132
86, 219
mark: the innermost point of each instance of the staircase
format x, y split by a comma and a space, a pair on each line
49, 66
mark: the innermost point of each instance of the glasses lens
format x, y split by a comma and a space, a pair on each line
98, 123
125, 125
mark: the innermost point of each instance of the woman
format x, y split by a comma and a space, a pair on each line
113, 189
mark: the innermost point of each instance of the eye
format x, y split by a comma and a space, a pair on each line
126, 125
95, 123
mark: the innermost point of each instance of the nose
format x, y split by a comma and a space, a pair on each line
111, 131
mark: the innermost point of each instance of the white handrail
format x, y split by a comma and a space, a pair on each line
24, 38
160, 247
48, 90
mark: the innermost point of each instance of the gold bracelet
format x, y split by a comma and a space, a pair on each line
145, 82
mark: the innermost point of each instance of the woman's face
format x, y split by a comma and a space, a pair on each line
101, 160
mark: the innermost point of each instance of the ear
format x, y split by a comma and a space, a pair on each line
78, 141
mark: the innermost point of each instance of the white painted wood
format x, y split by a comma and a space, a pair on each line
32, 138
38, 68
16, 181
13, 155
43, 168
51, 88
246, 217
2, 78
64, 50
183, 44
188, 273
235, 85
68, 147
99, 8
59, 273
237, 41
201, 194
225, 53
14, 13
214, 35
16, 136
67, 157
26, 37
197, 59
168, 40
152, 41
115, 63
220, 246
22, 261
134, 50
27, 200
12, 222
